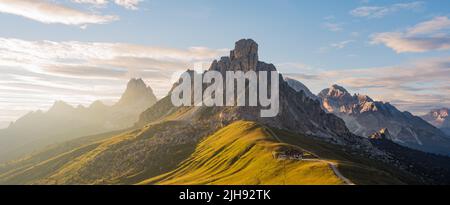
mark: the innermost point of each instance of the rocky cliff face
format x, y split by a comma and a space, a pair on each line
383, 134
298, 112
364, 116
300, 87
440, 119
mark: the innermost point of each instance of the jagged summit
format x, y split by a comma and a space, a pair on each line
364, 116
246, 53
299, 86
137, 91
244, 58
437, 117
335, 91
297, 111
338, 88
60, 106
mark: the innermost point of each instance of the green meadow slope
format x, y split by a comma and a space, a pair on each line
175, 152
241, 154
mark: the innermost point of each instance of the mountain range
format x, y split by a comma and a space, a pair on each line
234, 145
63, 122
364, 117
439, 118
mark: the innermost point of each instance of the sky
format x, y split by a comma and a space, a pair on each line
80, 51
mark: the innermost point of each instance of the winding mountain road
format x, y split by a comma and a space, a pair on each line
333, 165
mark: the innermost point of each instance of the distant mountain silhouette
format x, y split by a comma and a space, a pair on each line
62, 121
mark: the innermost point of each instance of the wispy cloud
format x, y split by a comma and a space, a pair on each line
128, 4
335, 27
342, 44
91, 59
381, 11
52, 13
335, 46
81, 72
426, 36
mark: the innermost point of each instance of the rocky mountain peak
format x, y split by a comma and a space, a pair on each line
337, 90
244, 57
299, 86
364, 116
137, 91
363, 98
438, 117
60, 106
98, 106
440, 113
245, 49
297, 112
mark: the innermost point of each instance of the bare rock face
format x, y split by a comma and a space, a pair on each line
440, 119
300, 87
364, 116
383, 134
297, 112
244, 57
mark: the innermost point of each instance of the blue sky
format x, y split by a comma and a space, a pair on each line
397, 51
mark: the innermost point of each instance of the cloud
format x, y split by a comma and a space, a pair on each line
335, 27
92, 60
128, 4
437, 24
414, 86
36, 73
95, 2
52, 13
342, 44
426, 36
381, 11
337, 45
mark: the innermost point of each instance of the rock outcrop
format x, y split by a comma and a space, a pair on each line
383, 134
297, 111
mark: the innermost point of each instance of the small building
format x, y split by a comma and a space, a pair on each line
290, 154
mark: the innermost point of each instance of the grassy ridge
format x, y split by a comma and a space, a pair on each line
241, 153
180, 153
359, 169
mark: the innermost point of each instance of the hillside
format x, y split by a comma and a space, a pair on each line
242, 153
227, 145
124, 158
